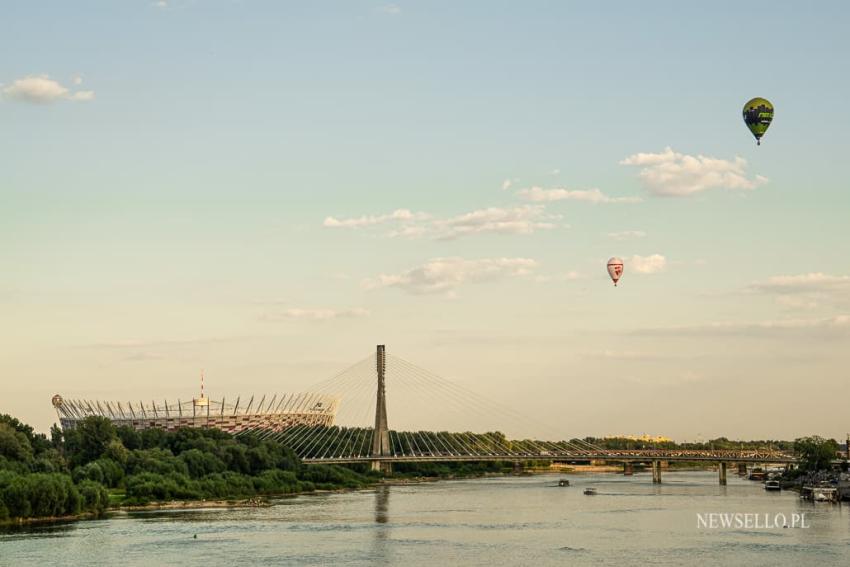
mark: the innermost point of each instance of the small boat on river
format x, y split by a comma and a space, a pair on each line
563, 482
590, 491
757, 474
772, 485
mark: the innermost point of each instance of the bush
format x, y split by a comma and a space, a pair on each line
158, 460
146, 487
95, 497
14, 445
39, 495
91, 471
113, 472
201, 464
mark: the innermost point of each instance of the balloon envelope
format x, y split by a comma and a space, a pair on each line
758, 114
615, 269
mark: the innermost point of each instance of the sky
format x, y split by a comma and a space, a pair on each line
267, 190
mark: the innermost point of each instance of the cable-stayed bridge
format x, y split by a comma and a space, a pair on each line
361, 433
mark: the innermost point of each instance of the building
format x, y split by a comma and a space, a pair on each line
279, 413
645, 438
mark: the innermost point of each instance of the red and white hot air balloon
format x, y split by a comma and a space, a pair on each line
615, 269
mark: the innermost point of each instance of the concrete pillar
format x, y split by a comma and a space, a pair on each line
381, 433
742, 469
382, 466
721, 472
656, 472
628, 468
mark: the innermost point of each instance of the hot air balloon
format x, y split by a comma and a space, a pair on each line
615, 269
758, 114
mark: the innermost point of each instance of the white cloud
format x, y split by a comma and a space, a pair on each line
525, 219
806, 291
77, 79
555, 172
82, 96
372, 220
830, 325
804, 283
392, 9
634, 355
647, 264
317, 314
671, 174
506, 184
664, 380
516, 220
627, 234
445, 275
538, 194
40, 89
408, 231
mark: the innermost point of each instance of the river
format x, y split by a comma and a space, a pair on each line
489, 521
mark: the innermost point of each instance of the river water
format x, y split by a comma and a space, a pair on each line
492, 521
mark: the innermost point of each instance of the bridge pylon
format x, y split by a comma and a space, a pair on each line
381, 432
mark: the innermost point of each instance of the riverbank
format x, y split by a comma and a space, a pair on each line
259, 501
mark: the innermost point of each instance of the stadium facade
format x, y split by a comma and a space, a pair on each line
281, 412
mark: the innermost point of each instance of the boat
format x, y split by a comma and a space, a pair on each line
563, 482
819, 493
772, 485
825, 495
757, 474
590, 491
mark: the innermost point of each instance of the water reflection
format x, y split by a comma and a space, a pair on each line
382, 504
381, 552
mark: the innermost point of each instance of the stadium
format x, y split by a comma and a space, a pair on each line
280, 413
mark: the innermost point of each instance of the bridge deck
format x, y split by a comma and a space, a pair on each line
633, 457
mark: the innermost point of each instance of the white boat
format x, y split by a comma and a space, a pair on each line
820, 496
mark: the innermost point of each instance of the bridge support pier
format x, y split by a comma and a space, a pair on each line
721, 473
656, 472
628, 468
386, 468
742, 469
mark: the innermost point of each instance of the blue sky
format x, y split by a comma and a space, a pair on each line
213, 184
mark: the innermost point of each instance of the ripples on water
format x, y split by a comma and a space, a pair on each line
496, 521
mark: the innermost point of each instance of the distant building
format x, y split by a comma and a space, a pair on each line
279, 413
645, 438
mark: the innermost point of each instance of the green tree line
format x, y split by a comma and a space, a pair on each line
74, 471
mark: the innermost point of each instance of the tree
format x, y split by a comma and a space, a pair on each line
14, 445
37, 441
89, 440
815, 453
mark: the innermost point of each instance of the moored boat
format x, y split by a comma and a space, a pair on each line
757, 474
772, 485
590, 491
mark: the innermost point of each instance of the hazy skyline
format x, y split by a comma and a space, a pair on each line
267, 190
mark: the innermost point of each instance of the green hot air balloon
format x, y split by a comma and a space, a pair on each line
758, 114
